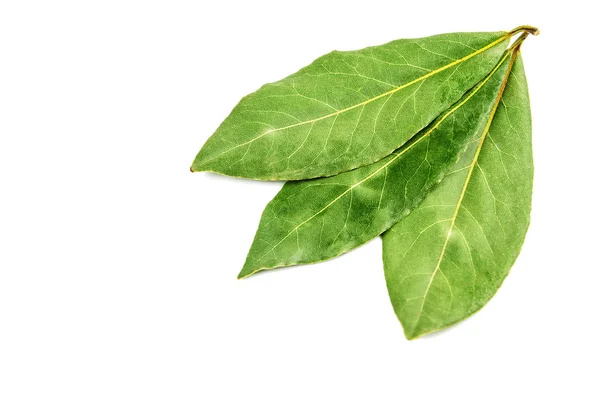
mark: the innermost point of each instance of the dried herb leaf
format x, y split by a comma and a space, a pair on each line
450, 255
348, 109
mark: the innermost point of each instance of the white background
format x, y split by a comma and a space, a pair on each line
118, 266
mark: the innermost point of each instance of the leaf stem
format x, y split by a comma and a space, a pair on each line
525, 28
517, 43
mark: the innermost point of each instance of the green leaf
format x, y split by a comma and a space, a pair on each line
310, 221
348, 109
450, 255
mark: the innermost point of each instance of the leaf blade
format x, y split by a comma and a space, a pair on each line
310, 221
297, 128
462, 222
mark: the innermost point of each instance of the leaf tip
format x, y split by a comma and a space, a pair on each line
249, 270
410, 335
244, 273
196, 167
413, 332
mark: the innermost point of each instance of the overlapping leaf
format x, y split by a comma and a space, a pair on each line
314, 220
348, 109
450, 255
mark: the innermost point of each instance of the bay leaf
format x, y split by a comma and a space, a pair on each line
313, 220
450, 255
348, 108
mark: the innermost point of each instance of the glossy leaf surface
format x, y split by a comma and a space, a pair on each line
348, 109
450, 255
310, 221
